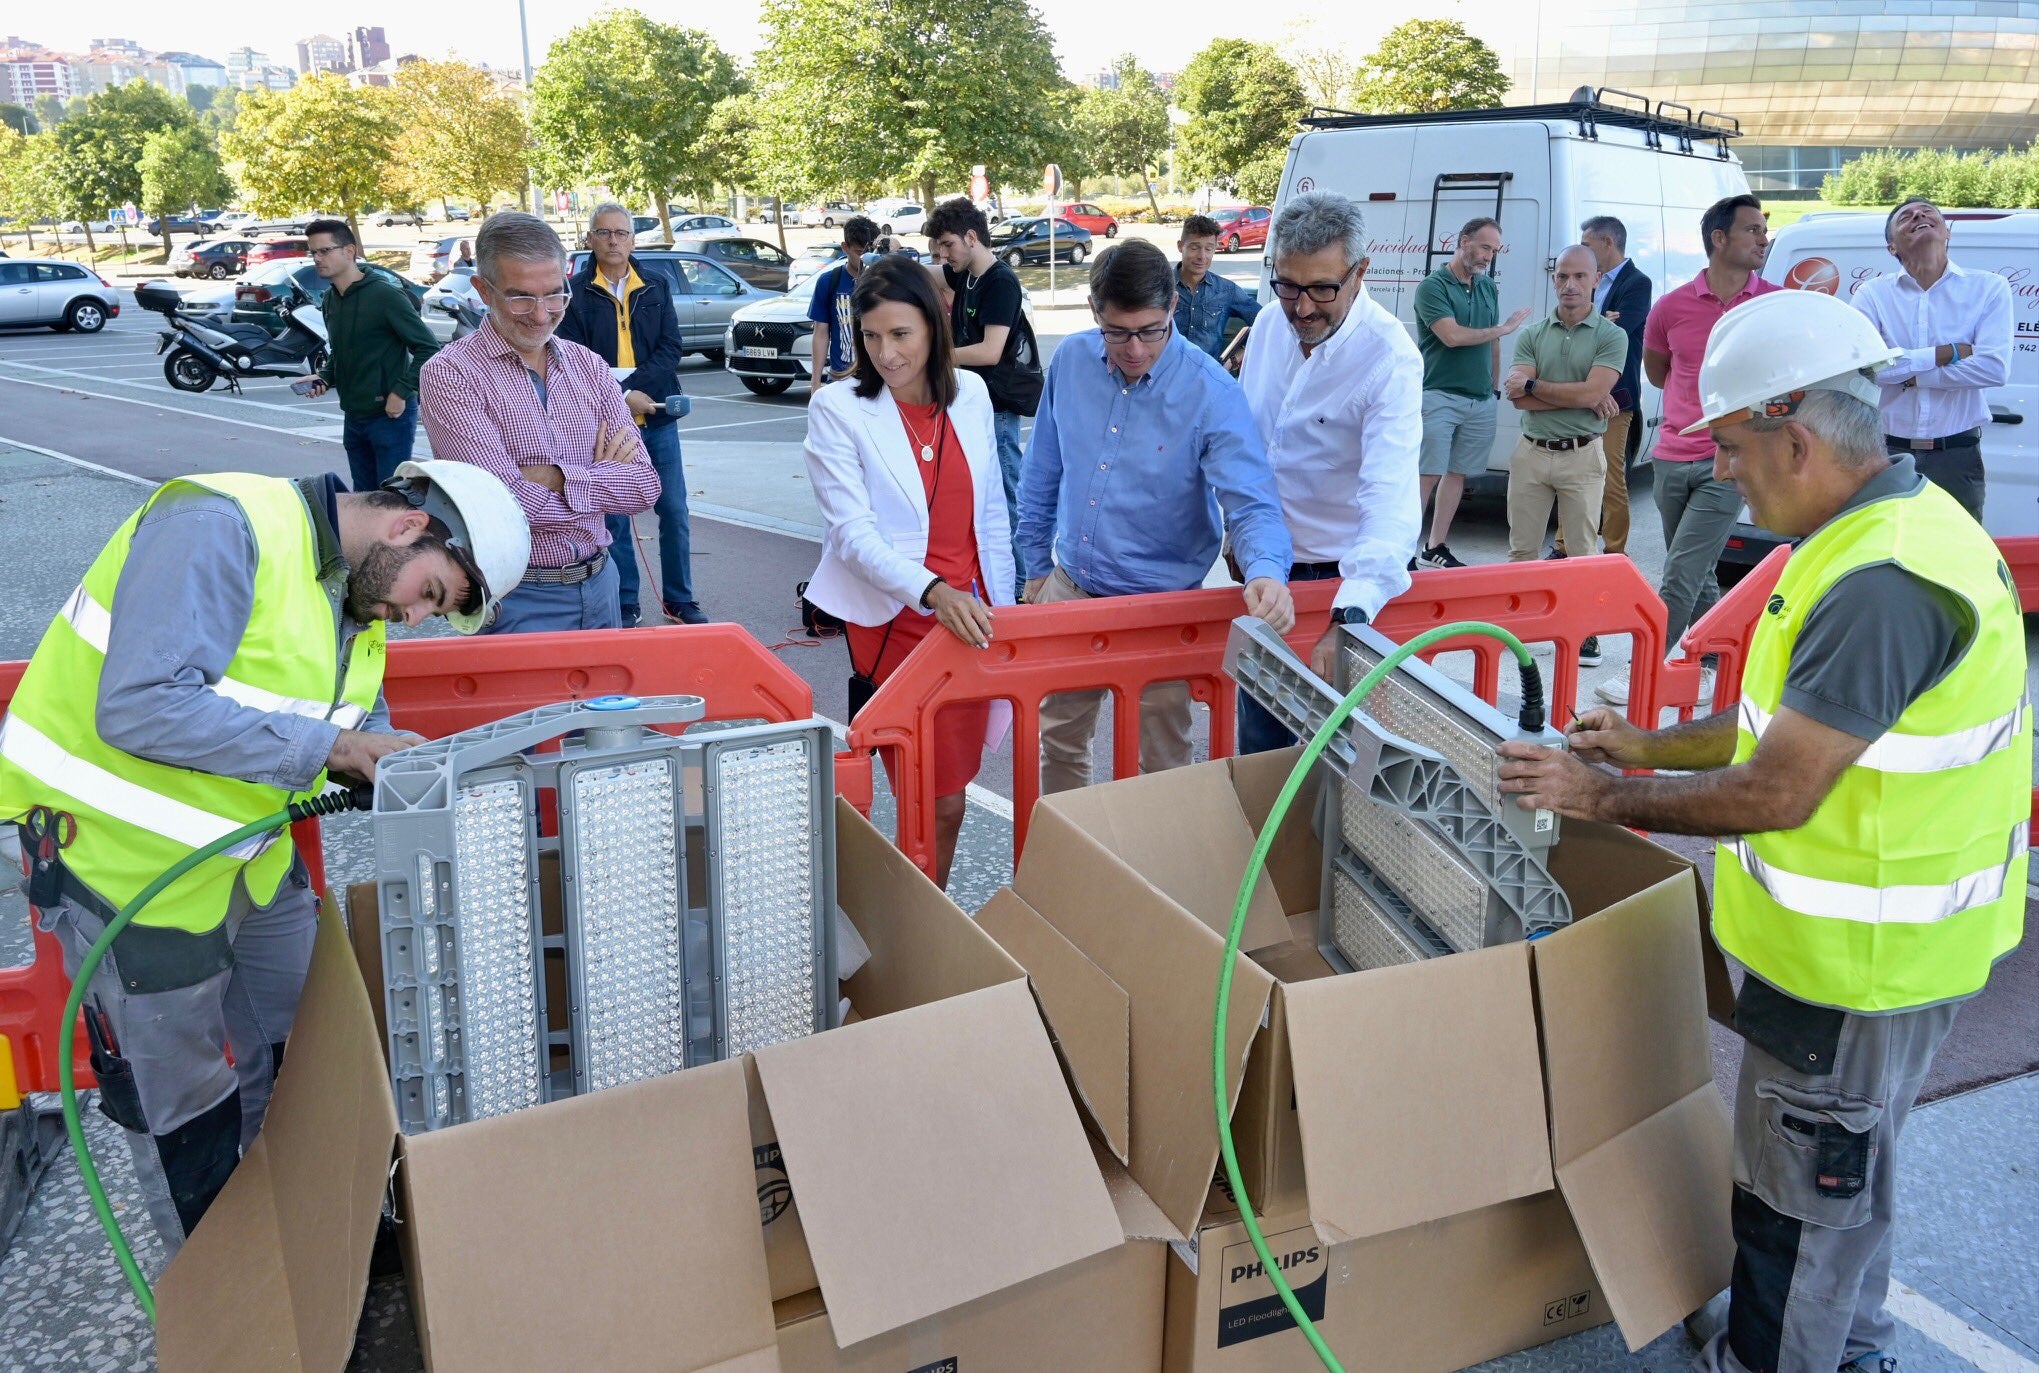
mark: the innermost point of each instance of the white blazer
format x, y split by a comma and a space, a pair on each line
867, 482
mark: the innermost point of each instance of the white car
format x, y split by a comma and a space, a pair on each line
692, 226
233, 221
897, 216
79, 226
456, 286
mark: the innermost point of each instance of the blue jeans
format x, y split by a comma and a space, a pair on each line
1260, 732
676, 569
1006, 427
541, 607
377, 444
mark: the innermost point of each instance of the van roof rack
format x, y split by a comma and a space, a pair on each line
1666, 125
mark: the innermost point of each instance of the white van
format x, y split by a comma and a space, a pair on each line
1839, 253
1542, 170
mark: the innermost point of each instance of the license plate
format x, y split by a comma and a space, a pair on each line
752, 351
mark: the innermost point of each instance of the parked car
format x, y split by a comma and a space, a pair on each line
261, 298
434, 257
1087, 216
692, 226
1022, 241
217, 258
456, 214
705, 295
61, 295
457, 284
78, 226
286, 224
812, 262
758, 262
178, 224
1242, 226
829, 213
275, 250
389, 219
897, 216
235, 222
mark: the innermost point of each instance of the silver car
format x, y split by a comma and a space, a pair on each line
705, 295
59, 294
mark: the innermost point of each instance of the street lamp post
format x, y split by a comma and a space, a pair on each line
531, 191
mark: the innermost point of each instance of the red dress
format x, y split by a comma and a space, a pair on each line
877, 650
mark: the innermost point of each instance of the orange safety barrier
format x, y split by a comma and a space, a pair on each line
1123, 644
437, 687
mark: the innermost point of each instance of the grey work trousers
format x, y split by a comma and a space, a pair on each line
1822, 1097
1069, 718
1698, 514
177, 1004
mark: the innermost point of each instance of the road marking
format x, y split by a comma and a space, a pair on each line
1952, 1333
751, 519
162, 409
139, 386
78, 462
741, 424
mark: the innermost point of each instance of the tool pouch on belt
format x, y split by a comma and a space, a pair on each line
120, 1101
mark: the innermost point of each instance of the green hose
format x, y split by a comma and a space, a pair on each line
67, 1033
1254, 866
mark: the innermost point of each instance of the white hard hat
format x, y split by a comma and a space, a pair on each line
487, 530
1763, 356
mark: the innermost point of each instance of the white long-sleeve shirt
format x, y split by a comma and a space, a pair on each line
1342, 428
1920, 400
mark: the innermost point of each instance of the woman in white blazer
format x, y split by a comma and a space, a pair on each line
905, 468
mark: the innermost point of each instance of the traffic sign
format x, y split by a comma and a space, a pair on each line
1051, 180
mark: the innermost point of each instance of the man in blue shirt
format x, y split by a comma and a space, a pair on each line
1205, 303
835, 349
1140, 443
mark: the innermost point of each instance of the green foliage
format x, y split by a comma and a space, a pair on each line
101, 148
223, 110
323, 144
31, 179
19, 118
623, 102
462, 135
1427, 65
2003, 180
1123, 131
49, 111
854, 97
180, 167
1243, 100
200, 98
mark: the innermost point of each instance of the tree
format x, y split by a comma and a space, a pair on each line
19, 118
463, 135
180, 167
912, 91
221, 113
1125, 130
323, 144
49, 111
100, 147
623, 101
32, 180
1324, 69
1427, 65
200, 98
1243, 100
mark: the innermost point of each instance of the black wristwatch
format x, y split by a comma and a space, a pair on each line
1347, 615
1529, 387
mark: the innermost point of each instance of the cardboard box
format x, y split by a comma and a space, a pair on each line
943, 1176
1551, 1102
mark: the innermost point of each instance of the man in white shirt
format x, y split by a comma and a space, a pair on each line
1336, 387
1955, 330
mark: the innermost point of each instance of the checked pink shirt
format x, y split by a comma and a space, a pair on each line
478, 405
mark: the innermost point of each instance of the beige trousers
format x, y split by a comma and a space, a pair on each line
1069, 718
1537, 477
1614, 501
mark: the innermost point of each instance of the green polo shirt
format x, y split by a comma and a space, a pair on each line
1462, 371
1567, 354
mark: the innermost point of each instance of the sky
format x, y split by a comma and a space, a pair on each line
1087, 35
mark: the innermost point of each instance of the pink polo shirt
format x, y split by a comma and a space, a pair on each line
1679, 324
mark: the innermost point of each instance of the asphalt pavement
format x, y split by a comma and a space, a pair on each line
87, 423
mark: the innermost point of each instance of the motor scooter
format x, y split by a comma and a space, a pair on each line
199, 354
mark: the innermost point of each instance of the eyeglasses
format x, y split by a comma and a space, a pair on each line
612, 233
335, 248
1153, 333
524, 306
1323, 292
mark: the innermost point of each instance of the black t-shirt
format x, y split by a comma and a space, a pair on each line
994, 300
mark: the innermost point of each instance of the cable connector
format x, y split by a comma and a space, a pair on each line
1531, 718
360, 797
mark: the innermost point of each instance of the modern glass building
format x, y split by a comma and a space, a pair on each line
1813, 82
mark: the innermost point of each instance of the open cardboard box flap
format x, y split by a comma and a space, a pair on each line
275, 1274
1639, 1134
1088, 1014
1168, 969
556, 1238
1383, 1147
937, 1158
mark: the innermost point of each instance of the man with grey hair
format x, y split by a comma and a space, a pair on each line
1336, 388
1622, 296
625, 314
547, 419
1873, 784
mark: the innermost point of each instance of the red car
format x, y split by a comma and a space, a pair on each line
275, 250
1089, 217
1242, 226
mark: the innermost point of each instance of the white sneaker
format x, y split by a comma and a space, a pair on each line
1706, 675
1614, 690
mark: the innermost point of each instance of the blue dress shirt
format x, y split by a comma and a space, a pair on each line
1122, 483
1201, 315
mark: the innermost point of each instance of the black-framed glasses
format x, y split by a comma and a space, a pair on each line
1323, 292
332, 248
1153, 333
612, 233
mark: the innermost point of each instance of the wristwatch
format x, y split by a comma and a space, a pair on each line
1347, 615
1529, 387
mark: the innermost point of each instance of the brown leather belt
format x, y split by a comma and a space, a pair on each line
573, 574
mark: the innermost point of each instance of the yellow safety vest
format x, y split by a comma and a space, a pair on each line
137, 817
1908, 883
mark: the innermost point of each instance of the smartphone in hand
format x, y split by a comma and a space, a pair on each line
305, 386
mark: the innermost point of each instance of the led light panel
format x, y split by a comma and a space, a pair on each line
1404, 704
1412, 859
1369, 938
496, 996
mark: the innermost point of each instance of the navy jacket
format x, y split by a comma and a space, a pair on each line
590, 321
1630, 298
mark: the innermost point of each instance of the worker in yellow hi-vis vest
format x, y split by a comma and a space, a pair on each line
1875, 782
222, 658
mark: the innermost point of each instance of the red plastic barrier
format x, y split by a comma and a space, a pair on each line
440, 686
1123, 644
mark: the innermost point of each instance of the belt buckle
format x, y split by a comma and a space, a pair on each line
1922, 445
